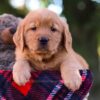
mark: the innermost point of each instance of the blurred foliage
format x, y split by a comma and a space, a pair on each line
85, 28
83, 17
5, 7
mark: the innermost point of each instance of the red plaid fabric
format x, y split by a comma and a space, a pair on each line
46, 85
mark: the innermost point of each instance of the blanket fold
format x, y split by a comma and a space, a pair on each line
45, 85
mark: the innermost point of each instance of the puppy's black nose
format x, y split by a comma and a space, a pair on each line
12, 30
43, 40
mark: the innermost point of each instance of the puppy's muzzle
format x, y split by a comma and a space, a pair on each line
43, 41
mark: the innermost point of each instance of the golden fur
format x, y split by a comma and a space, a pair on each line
57, 55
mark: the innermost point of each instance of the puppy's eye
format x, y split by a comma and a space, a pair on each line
53, 29
34, 28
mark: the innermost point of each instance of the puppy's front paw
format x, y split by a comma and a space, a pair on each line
72, 79
21, 72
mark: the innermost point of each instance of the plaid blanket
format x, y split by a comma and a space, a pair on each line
45, 85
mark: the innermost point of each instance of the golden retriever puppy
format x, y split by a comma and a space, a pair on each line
43, 42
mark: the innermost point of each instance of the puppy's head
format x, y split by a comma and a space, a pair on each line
43, 33
8, 26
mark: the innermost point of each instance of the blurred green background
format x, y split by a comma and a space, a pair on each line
83, 17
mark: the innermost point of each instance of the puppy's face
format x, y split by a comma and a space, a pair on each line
43, 33
40, 32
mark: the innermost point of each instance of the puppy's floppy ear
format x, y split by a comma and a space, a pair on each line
67, 36
18, 37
